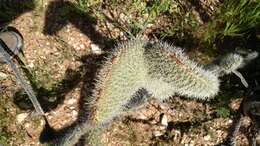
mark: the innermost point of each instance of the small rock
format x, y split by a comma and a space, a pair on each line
31, 65
230, 121
164, 120
42, 122
26, 125
21, 117
157, 133
153, 122
74, 113
162, 127
95, 49
207, 137
74, 46
78, 48
72, 101
49, 117
72, 107
82, 46
3, 75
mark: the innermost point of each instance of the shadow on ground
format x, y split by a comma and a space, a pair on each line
60, 13
11, 9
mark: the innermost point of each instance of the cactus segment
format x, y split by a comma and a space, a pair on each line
121, 76
171, 72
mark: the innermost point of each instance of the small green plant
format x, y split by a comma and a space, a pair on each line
222, 112
85, 5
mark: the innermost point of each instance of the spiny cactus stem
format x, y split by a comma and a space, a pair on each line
243, 80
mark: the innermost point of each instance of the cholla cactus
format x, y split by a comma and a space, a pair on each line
161, 69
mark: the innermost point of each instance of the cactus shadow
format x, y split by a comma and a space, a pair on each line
91, 63
11, 9
49, 98
60, 13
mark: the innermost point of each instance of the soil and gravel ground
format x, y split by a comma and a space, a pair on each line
59, 55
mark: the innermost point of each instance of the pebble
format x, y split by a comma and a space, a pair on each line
72, 101
230, 121
26, 125
72, 108
95, 49
74, 114
157, 133
164, 121
207, 137
162, 127
3, 75
74, 46
31, 65
42, 122
82, 46
21, 117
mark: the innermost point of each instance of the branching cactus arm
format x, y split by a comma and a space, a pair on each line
170, 71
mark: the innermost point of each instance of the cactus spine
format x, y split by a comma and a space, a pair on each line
161, 69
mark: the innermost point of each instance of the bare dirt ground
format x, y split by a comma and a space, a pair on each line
58, 52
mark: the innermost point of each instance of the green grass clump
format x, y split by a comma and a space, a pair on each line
236, 18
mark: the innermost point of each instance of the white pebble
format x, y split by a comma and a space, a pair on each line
26, 125
230, 121
74, 113
162, 127
82, 46
31, 65
164, 121
157, 133
207, 137
3, 75
72, 101
21, 117
95, 49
